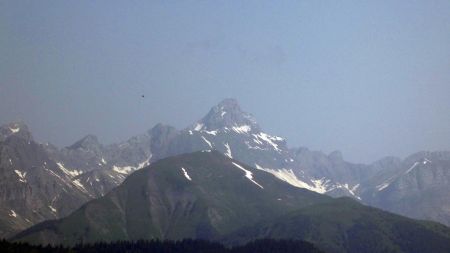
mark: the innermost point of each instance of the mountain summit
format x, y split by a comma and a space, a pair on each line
89, 142
18, 129
227, 114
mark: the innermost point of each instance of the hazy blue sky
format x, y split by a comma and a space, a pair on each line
368, 78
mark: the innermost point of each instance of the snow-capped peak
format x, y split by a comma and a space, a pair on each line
226, 115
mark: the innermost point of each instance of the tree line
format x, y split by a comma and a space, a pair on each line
156, 246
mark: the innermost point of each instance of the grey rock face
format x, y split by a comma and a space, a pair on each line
32, 186
418, 187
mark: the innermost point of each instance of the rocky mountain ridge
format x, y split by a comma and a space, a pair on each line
88, 169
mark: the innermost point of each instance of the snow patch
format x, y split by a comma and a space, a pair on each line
144, 163
12, 213
320, 184
228, 153
412, 167
78, 184
388, 182
21, 175
351, 190
124, 170
242, 129
252, 147
207, 142
71, 173
214, 132
354, 188
269, 139
14, 130
198, 127
53, 209
186, 175
288, 176
382, 186
248, 174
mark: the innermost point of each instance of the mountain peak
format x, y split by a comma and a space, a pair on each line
336, 156
229, 103
19, 129
227, 114
89, 142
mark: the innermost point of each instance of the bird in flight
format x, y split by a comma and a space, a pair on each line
143, 96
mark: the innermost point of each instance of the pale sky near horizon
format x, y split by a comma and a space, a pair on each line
369, 78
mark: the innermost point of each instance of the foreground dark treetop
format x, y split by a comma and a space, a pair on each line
184, 246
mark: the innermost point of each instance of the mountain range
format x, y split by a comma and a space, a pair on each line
207, 195
39, 182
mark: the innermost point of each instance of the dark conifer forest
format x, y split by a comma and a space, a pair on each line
184, 246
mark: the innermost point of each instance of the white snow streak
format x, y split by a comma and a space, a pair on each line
21, 175
412, 167
248, 174
289, 177
207, 142
71, 173
52, 208
79, 185
242, 129
186, 174
144, 163
14, 130
350, 190
269, 139
214, 132
124, 170
128, 169
228, 153
382, 186
198, 127
12, 213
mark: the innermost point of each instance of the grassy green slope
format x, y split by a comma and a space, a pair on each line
160, 202
343, 225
